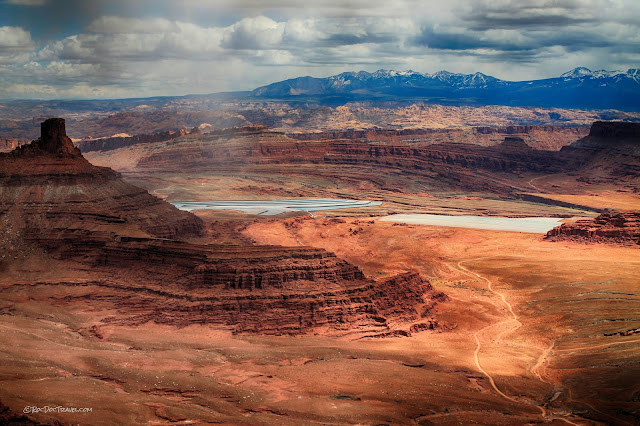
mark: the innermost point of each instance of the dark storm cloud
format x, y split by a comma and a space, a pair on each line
350, 39
26, 2
76, 48
53, 18
468, 41
524, 30
504, 20
525, 14
526, 43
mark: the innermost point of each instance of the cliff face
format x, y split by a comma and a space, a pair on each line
57, 208
621, 228
539, 137
54, 190
611, 152
7, 145
615, 130
107, 144
513, 155
444, 166
610, 149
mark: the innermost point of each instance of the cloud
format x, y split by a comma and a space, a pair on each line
254, 34
461, 39
123, 39
26, 2
16, 46
208, 46
120, 25
521, 14
532, 31
14, 38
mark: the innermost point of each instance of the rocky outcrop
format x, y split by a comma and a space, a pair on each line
7, 145
538, 137
615, 130
515, 144
108, 144
53, 189
444, 166
611, 150
621, 228
609, 136
54, 140
256, 289
56, 207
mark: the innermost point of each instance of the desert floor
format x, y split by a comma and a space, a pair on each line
533, 333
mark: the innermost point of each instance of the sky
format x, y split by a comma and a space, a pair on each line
79, 49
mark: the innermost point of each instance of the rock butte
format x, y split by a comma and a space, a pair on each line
143, 266
611, 227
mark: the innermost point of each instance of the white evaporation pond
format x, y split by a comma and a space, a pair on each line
273, 207
535, 225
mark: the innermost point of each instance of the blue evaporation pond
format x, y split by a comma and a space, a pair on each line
536, 225
272, 207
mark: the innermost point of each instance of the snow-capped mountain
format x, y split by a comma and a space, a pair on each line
582, 72
578, 88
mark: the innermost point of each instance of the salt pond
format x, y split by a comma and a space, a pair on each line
272, 207
536, 225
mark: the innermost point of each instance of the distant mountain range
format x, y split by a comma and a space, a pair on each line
580, 88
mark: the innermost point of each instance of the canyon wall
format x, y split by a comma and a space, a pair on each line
140, 252
622, 228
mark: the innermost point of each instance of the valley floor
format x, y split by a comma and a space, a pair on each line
535, 332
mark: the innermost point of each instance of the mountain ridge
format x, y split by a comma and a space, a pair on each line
578, 88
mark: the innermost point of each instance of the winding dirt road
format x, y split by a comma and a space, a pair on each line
516, 325
482, 330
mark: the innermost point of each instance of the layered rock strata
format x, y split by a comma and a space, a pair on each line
53, 189
612, 149
442, 167
538, 137
7, 145
621, 228
86, 217
610, 152
275, 149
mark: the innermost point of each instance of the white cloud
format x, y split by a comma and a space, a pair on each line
142, 42
254, 34
272, 40
16, 46
14, 38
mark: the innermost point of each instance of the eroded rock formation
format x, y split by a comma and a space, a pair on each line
538, 137
55, 205
621, 228
7, 145
611, 152
50, 187
612, 149
107, 144
444, 166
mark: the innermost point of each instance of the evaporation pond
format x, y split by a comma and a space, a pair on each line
536, 225
272, 207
